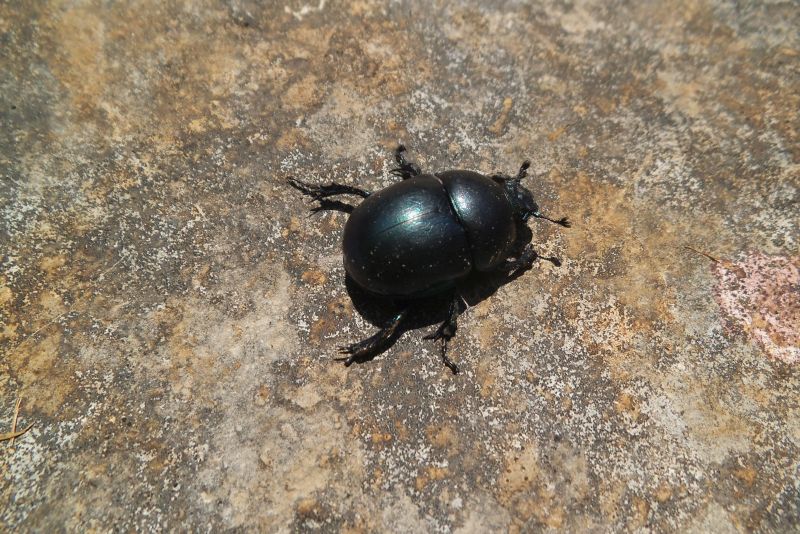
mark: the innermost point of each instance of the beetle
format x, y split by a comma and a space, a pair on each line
422, 236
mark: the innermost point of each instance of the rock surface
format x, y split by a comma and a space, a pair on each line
170, 312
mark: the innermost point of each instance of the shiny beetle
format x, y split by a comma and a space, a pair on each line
422, 236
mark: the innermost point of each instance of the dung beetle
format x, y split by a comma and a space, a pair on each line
420, 237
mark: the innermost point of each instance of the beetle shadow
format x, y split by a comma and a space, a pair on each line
326, 204
429, 311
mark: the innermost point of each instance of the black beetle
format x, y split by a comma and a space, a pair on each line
422, 236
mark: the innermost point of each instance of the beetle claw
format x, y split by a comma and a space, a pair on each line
348, 360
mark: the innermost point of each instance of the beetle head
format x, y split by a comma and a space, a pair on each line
520, 197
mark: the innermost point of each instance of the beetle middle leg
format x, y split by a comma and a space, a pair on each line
406, 169
446, 331
373, 344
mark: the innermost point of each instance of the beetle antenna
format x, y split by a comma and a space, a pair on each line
563, 221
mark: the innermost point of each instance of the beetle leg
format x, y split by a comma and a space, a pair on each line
448, 328
446, 331
563, 221
406, 169
522, 173
320, 192
374, 343
525, 261
523, 170
453, 367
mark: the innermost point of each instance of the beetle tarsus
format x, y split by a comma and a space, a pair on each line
446, 331
406, 169
525, 261
450, 365
373, 344
563, 221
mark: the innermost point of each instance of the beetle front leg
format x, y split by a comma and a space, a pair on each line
446, 331
406, 169
525, 261
373, 344
563, 221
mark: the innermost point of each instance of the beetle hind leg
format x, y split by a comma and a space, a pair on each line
320, 192
446, 331
373, 344
405, 169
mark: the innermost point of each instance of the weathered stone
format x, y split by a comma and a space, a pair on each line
169, 312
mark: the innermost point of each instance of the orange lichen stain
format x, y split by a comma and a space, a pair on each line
761, 294
6, 295
292, 138
308, 43
200, 278
198, 125
552, 517
640, 509
580, 109
631, 249
746, 474
663, 493
518, 479
51, 304
46, 379
49, 264
293, 227
627, 405
555, 134
487, 379
360, 8
304, 94
307, 507
442, 437
611, 494
377, 477
500, 124
380, 438
81, 65
401, 430
8, 331
431, 474
262, 395
322, 328
314, 277
481, 309
487, 331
